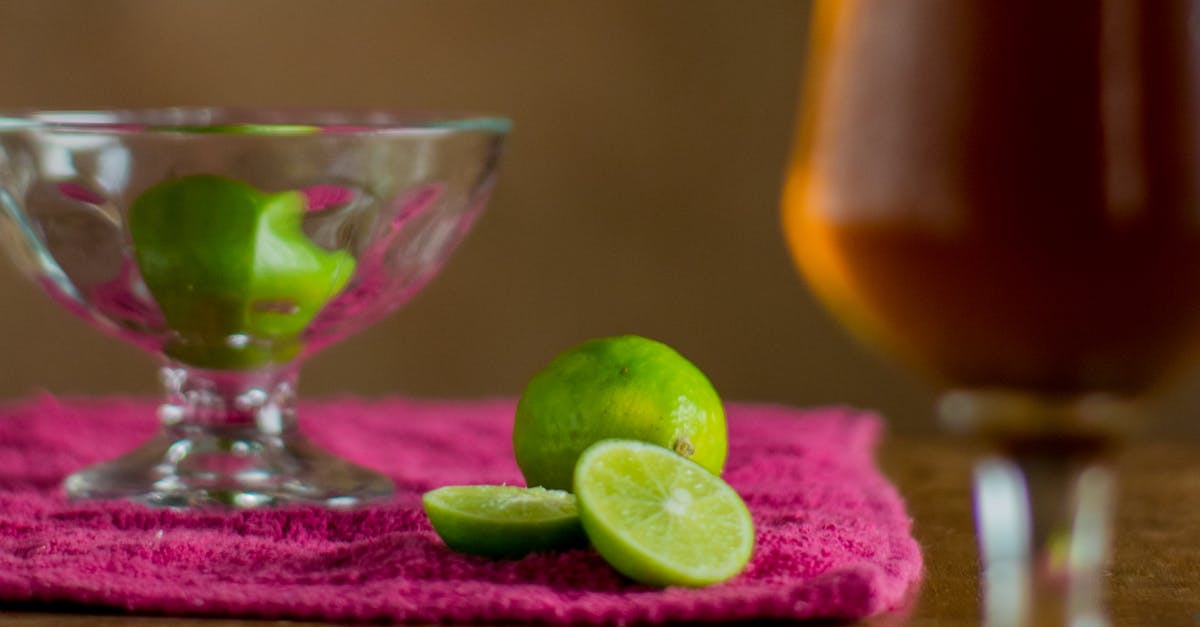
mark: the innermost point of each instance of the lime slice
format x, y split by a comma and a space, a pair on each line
504, 521
659, 518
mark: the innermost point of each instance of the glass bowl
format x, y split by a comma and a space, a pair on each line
233, 245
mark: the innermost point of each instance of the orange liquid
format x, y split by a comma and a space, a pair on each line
1004, 193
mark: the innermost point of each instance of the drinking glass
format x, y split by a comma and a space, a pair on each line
233, 245
1003, 196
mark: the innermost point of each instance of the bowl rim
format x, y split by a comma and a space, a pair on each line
216, 121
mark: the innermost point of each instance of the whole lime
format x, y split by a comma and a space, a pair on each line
626, 387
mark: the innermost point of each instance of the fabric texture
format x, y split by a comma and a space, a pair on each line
833, 539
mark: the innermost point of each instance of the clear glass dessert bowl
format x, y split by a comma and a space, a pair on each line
233, 245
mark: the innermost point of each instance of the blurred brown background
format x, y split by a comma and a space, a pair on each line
639, 190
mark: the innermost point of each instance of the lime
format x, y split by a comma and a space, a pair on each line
504, 521
223, 259
661, 519
626, 387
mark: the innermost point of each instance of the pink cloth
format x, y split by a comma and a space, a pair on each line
833, 537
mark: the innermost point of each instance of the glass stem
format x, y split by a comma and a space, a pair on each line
205, 401
229, 439
1044, 503
1044, 526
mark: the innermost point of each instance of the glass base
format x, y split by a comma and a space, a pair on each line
1044, 502
229, 466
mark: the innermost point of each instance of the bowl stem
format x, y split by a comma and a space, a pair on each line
229, 439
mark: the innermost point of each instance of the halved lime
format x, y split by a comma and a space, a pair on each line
504, 521
659, 518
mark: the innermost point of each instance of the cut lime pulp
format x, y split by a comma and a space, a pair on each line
504, 521
659, 518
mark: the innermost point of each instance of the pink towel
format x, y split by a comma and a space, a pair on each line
833, 537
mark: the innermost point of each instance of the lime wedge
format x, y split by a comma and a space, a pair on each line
659, 518
504, 521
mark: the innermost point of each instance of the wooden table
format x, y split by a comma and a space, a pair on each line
1155, 580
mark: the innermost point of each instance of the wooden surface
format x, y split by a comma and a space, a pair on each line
1155, 580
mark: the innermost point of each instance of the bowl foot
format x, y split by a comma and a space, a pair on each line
237, 467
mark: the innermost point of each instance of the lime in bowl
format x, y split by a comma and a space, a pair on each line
233, 245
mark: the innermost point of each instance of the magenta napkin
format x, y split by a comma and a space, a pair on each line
833, 538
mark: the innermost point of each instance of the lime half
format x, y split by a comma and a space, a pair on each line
659, 518
504, 521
